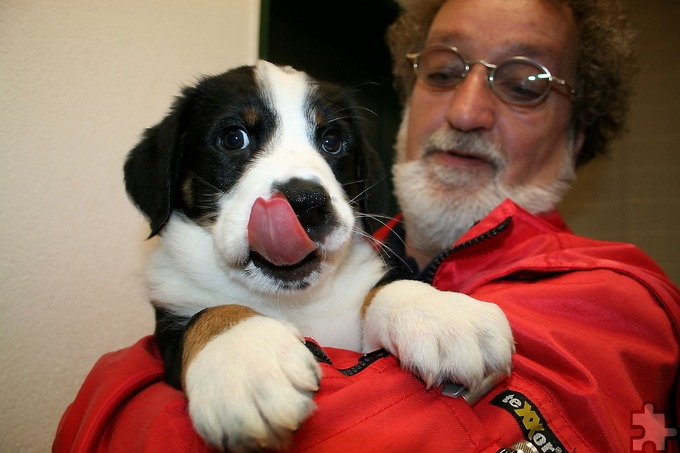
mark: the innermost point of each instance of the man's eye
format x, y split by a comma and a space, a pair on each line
234, 139
522, 89
443, 78
331, 142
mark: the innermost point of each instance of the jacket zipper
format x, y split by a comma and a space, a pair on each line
430, 271
364, 361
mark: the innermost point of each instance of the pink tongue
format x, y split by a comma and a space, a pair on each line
275, 233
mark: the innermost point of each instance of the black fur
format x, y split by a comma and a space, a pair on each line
185, 162
180, 164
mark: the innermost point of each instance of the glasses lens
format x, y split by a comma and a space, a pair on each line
521, 81
440, 67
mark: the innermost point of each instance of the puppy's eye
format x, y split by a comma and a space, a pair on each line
236, 138
331, 142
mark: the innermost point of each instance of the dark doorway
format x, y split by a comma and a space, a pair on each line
340, 41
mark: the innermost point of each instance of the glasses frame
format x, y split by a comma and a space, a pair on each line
414, 58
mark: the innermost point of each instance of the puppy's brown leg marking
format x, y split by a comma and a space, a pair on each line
208, 324
368, 299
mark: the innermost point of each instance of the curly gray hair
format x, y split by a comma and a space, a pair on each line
606, 64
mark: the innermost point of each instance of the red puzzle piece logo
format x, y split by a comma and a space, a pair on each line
655, 433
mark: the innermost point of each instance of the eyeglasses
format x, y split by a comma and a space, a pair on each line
519, 80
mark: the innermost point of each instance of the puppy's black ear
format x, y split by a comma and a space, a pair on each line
152, 168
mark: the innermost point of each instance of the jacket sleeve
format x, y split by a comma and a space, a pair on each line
596, 360
125, 406
583, 380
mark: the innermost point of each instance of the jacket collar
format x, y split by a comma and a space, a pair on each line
550, 221
499, 224
508, 240
511, 243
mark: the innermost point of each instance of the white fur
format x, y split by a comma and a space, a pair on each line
195, 267
263, 377
252, 385
441, 336
186, 273
289, 155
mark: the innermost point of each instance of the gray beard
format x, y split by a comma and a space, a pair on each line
440, 205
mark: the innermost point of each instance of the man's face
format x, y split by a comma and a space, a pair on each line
470, 148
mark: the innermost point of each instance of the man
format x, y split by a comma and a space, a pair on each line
478, 146
506, 100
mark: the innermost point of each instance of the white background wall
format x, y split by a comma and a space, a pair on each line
79, 80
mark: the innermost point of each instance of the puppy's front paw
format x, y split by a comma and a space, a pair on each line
251, 387
440, 336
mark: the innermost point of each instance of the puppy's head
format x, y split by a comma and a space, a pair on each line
271, 162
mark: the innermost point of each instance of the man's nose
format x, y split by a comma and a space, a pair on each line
472, 103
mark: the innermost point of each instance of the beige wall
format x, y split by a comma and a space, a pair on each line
634, 194
79, 79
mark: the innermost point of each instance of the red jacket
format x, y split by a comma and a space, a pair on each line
597, 327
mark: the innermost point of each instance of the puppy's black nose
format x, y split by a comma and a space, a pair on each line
311, 204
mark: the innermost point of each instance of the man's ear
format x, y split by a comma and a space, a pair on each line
152, 168
579, 139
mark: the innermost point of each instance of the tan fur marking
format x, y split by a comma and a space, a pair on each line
251, 116
319, 118
368, 299
211, 323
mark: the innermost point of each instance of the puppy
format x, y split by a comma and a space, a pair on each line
257, 185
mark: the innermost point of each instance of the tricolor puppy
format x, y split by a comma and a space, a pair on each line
257, 184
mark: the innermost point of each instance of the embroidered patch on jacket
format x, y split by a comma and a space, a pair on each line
530, 420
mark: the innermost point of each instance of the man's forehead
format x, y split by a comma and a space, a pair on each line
511, 47
496, 29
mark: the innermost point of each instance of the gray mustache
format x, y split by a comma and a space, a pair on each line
466, 143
